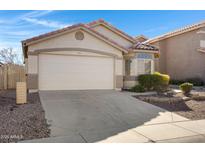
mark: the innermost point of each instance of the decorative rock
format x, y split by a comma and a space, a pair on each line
156, 99
198, 97
186, 98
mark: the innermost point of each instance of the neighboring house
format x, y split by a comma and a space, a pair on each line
86, 56
182, 52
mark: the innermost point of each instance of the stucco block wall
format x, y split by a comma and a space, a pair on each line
32, 81
119, 73
32, 71
133, 67
32, 64
119, 66
179, 56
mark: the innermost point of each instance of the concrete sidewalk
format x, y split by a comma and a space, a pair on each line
177, 132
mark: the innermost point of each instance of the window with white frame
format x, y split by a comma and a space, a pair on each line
145, 63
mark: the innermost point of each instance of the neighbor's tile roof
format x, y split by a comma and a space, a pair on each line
177, 32
142, 46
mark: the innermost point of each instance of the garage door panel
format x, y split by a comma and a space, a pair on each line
75, 72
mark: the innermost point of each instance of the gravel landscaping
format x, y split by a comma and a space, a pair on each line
21, 122
192, 107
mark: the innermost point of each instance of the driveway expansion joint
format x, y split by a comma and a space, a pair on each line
83, 137
149, 139
180, 138
188, 129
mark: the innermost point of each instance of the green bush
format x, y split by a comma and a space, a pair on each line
164, 78
148, 81
138, 88
176, 82
163, 82
186, 87
194, 81
156, 81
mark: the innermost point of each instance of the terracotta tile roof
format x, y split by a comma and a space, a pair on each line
91, 24
177, 32
51, 33
142, 46
89, 28
141, 38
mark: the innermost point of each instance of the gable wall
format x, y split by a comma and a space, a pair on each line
68, 41
115, 37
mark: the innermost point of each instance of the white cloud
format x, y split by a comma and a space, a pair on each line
18, 28
52, 24
32, 18
9, 44
34, 14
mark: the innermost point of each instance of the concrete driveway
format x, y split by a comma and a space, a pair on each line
96, 116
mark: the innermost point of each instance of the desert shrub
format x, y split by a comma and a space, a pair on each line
164, 78
186, 87
138, 88
156, 81
148, 81
163, 83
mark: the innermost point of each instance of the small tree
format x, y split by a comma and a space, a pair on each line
8, 56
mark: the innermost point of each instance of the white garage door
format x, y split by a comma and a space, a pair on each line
58, 72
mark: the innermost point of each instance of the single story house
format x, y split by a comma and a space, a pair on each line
86, 56
182, 52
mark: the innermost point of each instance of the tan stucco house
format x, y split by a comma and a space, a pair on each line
182, 52
86, 56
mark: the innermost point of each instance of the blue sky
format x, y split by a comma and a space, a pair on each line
18, 25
